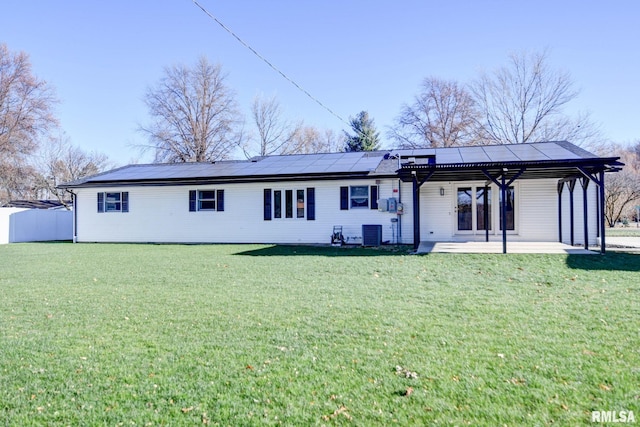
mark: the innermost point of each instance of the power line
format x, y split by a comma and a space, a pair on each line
266, 61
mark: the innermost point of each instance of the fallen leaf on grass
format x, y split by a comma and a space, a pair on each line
185, 410
604, 387
408, 391
342, 410
517, 381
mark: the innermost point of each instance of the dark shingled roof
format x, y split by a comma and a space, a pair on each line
557, 159
37, 204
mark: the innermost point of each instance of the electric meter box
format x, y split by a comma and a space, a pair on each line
383, 205
393, 204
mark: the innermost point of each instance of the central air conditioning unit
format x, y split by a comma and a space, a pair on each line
371, 235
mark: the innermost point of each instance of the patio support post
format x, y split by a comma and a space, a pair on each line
560, 188
597, 213
416, 213
485, 200
585, 207
503, 192
601, 203
572, 185
503, 207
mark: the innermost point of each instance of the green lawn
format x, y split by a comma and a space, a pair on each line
630, 231
258, 335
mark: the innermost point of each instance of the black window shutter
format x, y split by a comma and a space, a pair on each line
220, 201
125, 201
267, 204
100, 202
192, 200
311, 204
344, 198
374, 197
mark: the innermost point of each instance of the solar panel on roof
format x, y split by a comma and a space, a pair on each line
448, 155
557, 152
528, 152
500, 153
473, 155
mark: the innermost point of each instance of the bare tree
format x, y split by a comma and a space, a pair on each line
622, 189
442, 115
60, 162
195, 115
274, 134
18, 181
26, 116
517, 100
580, 130
310, 140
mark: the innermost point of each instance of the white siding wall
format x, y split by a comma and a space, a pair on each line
436, 211
538, 210
578, 214
161, 214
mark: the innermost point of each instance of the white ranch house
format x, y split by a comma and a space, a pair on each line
524, 192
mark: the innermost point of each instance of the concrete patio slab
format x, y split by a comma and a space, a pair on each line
496, 248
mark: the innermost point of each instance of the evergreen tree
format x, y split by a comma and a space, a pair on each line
366, 137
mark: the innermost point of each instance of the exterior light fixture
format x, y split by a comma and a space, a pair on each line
442, 191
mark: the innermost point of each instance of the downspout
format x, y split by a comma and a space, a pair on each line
74, 215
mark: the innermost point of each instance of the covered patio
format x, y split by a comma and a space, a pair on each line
500, 166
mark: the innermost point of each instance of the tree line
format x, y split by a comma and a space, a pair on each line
195, 117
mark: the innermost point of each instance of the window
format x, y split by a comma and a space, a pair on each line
288, 203
481, 197
510, 208
277, 204
206, 200
298, 203
113, 202
359, 196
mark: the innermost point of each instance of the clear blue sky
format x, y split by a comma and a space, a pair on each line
353, 55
